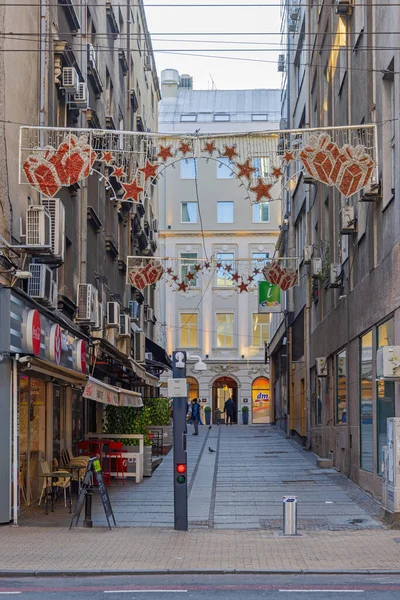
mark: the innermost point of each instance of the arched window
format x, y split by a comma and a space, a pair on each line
193, 388
260, 400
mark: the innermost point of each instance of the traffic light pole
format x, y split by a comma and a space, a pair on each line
179, 445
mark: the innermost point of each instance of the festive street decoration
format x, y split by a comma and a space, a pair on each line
282, 276
132, 191
185, 148
141, 273
230, 152
165, 153
277, 172
288, 157
118, 172
107, 157
246, 170
262, 190
209, 147
149, 170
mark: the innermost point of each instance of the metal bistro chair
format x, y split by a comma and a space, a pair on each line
62, 483
114, 452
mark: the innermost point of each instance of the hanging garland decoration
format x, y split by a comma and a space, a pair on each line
348, 167
282, 276
143, 273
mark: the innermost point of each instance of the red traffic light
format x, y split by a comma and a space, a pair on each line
181, 468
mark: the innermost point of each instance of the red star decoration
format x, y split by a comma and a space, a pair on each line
228, 268
288, 156
262, 190
256, 271
169, 271
132, 191
207, 265
185, 148
230, 152
149, 170
190, 276
246, 169
235, 277
243, 287
277, 172
182, 286
219, 265
175, 278
118, 172
209, 147
197, 268
251, 278
165, 152
107, 157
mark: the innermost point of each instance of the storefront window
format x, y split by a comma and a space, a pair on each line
341, 388
32, 436
77, 419
385, 392
366, 414
260, 399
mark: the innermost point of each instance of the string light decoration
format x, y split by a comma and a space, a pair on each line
345, 157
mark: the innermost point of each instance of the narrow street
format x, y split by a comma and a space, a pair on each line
239, 486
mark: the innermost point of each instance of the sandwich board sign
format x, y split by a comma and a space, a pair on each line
269, 297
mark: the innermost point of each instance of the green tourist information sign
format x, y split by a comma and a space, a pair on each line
269, 297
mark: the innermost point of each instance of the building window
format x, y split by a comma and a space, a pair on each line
341, 387
188, 262
225, 259
188, 168
262, 166
225, 212
259, 117
224, 330
224, 168
385, 391
191, 118
261, 212
260, 330
366, 416
193, 385
189, 331
260, 259
222, 117
189, 212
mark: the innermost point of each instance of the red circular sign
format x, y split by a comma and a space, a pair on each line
55, 343
81, 355
33, 332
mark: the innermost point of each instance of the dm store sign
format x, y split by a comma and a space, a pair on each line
269, 297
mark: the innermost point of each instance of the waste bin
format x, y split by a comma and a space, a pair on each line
290, 515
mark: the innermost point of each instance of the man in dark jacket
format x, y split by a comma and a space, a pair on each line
229, 410
195, 416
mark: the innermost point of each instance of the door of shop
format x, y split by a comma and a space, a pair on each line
224, 388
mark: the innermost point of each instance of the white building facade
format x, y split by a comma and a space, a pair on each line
205, 214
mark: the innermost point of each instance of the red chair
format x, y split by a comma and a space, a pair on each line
115, 453
83, 448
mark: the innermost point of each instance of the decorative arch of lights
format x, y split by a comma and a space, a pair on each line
131, 162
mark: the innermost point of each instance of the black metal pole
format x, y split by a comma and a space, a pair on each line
88, 507
179, 444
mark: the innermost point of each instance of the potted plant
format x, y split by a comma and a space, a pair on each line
160, 418
245, 415
207, 413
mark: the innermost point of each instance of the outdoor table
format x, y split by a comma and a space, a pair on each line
52, 477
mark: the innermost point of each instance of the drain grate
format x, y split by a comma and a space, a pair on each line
300, 481
277, 452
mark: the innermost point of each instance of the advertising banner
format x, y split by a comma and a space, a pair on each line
269, 297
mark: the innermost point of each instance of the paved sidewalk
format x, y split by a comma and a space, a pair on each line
240, 486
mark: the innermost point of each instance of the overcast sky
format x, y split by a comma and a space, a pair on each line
225, 72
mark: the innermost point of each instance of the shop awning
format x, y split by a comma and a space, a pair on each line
52, 370
108, 394
159, 353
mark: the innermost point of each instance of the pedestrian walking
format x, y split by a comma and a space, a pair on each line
195, 416
229, 410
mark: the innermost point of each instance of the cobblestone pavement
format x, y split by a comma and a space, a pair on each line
240, 487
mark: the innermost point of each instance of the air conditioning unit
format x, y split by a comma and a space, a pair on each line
155, 225
307, 254
388, 362
281, 63
113, 313
149, 313
140, 346
344, 7
335, 279
56, 210
148, 356
38, 226
92, 55
147, 62
321, 365
295, 13
87, 302
40, 285
134, 310
349, 221
125, 325
70, 80
81, 98
316, 267
292, 26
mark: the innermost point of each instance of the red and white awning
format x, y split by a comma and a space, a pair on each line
108, 394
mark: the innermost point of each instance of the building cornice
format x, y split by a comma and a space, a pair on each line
187, 234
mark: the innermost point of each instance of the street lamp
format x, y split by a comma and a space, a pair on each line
200, 365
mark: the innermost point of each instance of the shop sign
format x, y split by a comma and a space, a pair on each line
55, 343
269, 297
33, 332
81, 362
